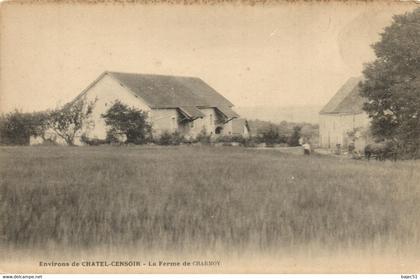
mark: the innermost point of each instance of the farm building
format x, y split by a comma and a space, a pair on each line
173, 103
342, 115
239, 127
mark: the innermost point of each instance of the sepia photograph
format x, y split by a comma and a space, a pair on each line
210, 137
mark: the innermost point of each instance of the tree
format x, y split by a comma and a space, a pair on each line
294, 138
271, 135
392, 84
39, 123
17, 127
128, 121
14, 128
69, 121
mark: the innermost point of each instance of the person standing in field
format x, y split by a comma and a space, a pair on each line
306, 148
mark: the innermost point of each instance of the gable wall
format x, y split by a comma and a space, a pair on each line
207, 122
333, 128
106, 91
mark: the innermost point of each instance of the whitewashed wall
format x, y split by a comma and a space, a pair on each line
228, 129
164, 120
106, 91
333, 128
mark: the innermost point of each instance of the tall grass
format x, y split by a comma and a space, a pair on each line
204, 198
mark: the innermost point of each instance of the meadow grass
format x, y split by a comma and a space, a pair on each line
203, 199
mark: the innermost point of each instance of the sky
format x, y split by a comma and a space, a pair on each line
288, 54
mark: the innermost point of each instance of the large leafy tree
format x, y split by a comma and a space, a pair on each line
392, 84
68, 122
17, 127
128, 121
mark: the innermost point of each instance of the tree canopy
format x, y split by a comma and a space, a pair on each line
16, 127
392, 84
127, 121
68, 122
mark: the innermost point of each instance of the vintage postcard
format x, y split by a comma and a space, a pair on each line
210, 137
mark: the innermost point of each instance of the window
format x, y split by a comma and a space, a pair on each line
192, 124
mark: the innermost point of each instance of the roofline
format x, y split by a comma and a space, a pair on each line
88, 87
110, 73
355, 78
128, 88
175, 107
101, 76
148, 74
185, 113
336, 113
230, 104
228, 119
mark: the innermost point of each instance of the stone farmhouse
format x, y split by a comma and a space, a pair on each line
174, 103
341, 115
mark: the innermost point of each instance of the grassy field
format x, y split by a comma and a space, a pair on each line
205, 199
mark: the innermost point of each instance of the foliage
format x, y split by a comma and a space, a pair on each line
270, 136
68, 122
243, 141
284, 130
392, 84
203, 137
128, 121
167, 138
294, 138
17, 127
359, 133
93, 141
230, 138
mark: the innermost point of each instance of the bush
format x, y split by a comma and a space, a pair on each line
249, 142
281, 133
203, 137
170, 138
225, 139
94, 141
228, 140
270, 136
294, 138
128, 121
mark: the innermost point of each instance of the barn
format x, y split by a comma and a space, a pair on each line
342, 115
240, 127
174, 103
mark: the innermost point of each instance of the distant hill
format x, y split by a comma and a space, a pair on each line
307, 114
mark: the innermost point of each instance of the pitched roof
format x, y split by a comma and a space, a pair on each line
191, 112
160, 91
346, 100
227, 112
